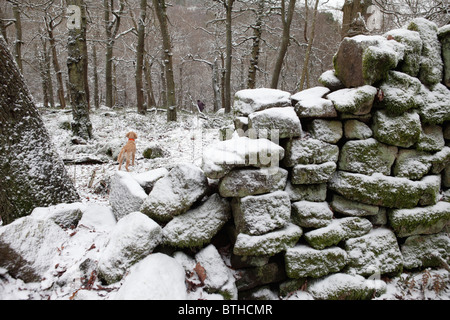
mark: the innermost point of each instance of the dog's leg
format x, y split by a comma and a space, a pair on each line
128, 161
120, 159
134, 154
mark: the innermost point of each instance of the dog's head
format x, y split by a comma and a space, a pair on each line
131, 135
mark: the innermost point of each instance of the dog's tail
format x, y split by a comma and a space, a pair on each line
120, 157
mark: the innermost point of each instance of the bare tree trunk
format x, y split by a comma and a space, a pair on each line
257, 32
286, 18
229, 51
309, 48
140, 58
160, 8
148, 79
111, 28
31, 172
59, 80
77, 69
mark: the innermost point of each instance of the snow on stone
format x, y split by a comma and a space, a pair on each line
126, 194
157, 277
133, 238
251, 100
220, 157
219, 277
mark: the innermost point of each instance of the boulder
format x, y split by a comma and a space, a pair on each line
367, 157
355, 129
365, 60
303, 261
259, 276
375, 253
431, 138
341, 286
256, 215
133, 238
221, 157
400, 93
310, 151
357, 101
247, 181
218, 277
433, 104
267, 244
336, 231
312, 173
352, 208
28, 247
175, 193
385, 191
413, 50
308, 192
157, 277
126, 195
281, 122
311, 214
65, 215
251, 100
402, 131
444, 38
153, 150
412, 164
197, 226
440, 160
423, 251
421, 220
329, 80
310, 103
431, 65
147, 179
326, 130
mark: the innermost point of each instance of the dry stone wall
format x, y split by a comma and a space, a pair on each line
333, 186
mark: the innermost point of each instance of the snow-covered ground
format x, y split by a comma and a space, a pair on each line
181, 141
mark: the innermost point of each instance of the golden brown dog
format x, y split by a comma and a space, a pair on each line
128, 151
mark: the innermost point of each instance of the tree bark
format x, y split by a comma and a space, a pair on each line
286, 18
31, 172
229, 51
160, 8
257, 33
18, 43
77, 68
95, 71
59, 80
140, 58
111, 28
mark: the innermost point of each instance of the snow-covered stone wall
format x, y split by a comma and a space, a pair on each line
327, 189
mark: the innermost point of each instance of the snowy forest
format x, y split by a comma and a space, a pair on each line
348, 90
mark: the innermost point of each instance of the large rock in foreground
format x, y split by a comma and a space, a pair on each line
198, 226
157, 277
132, 239
175, 193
